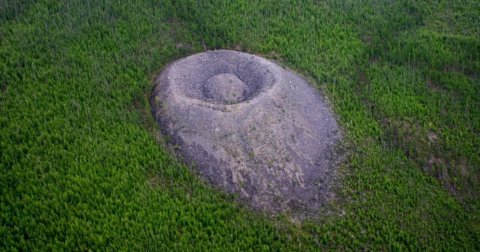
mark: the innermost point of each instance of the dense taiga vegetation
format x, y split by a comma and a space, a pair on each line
82, 167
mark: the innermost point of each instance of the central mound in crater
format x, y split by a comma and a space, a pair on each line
251, 128
225, 88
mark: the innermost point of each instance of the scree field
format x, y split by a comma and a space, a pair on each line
83, 167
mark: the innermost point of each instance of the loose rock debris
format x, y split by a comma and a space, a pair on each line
250, 127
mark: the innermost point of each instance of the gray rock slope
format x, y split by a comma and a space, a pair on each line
251, 127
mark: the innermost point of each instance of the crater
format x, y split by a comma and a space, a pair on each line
219, 78
252, 128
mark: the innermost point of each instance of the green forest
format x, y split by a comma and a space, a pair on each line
83, 166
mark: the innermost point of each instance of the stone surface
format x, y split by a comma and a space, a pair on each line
224, 88
251, 128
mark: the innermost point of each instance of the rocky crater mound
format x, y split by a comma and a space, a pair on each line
250, 127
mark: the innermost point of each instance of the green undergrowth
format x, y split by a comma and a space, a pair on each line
83, 167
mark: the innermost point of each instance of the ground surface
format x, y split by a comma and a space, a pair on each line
82, 168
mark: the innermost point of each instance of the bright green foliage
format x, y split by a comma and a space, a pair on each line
82, 166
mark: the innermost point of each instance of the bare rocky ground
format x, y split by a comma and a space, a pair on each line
252, 128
